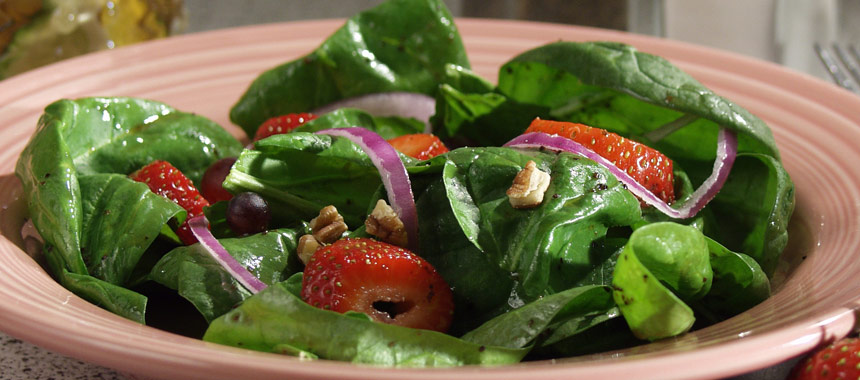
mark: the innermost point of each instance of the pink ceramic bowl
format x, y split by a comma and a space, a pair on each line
816, 126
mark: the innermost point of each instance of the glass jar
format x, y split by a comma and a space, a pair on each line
37, 32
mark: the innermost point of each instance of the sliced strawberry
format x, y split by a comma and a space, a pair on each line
840, 360
646, 165
384, 281
282, 124
166, 180
422, 146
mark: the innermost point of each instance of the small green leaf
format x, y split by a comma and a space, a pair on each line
659, 260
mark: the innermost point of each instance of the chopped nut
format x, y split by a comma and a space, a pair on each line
307, 245
328, 226
529, 187
384, 224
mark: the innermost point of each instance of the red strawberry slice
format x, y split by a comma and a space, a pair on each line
840, 360
422, 146
646, 165
166, 180
384, 281
282, 124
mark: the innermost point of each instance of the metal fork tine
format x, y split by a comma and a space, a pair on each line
833, 68
852, 50
849, 62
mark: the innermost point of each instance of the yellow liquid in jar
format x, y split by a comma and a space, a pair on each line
45, 31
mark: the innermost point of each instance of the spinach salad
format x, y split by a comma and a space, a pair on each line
587, 270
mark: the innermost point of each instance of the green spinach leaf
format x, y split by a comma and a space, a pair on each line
81, 209
739, 283
386, 126
587, 335
481, 118
549, 241
614, 86
300, 173
753, 209
112, 206
114, 298
197, 277
520, 328
661, 264
482, 289
277, 320
188, 141
398, 46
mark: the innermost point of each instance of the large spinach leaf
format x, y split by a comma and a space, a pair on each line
401, 45
300, 173
753, 209
583, 336
84, 213
113, 205
739, 284
197, 277
485, 118
387, 127
520, 328
465, 79
498, 258
547, 245
188, 141
114, 298
277, 320
482, 289
614, 86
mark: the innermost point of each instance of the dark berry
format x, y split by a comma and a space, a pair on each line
211, 184
248, 213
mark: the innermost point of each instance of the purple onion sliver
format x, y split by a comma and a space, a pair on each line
395, 179
555, 142
200, 228
725, 157
397, 103
727, 151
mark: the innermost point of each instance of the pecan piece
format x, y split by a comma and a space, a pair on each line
528, 188
386, 225
306, 247
328, 226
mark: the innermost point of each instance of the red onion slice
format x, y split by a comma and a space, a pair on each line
727, 145
393, 174
200, 228
404, 104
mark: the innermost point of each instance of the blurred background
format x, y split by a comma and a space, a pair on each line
35, 32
